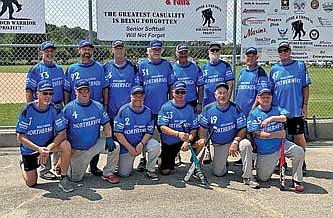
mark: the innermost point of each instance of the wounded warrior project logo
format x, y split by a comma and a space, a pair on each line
8, 5
209, 14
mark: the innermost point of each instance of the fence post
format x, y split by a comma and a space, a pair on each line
90, 20
234, 50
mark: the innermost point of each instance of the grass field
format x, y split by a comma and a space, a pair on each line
320, 103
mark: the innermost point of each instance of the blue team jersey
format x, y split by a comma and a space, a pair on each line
133, 124
212, 75
39, 126
227, 121
177, 118
247, 87
155, 77
254, 120
83, 123
288, 82
92, 72
191, 75
121, 79
53, 73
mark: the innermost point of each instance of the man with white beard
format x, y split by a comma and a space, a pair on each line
216, 71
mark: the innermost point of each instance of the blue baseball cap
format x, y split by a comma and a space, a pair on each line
82, 83
222, 84
44, 85
251, 50
264, 90
284, 44
85, 43
213, 43
118, 43
181, 47
155, 44
179, 85
136, 89
46, 45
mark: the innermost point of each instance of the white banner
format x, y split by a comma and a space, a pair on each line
22, 16
171, 20
306, 24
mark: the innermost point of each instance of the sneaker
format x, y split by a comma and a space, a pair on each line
96, 171
111, 178
251, 182
201, 177
298, 186
152, 175
238, 162
142, 165
48, 175
66, 185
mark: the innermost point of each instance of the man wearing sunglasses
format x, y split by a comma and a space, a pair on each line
84, 117
134, 128
291, 80
92, 71
191, 74
47, 70
41, 131
214, 72
178, 125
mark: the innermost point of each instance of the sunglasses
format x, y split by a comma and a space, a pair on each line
81, 91
177, 92
215, 50
283, 50
47, 93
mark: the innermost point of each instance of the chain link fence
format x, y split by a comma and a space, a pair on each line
67, 22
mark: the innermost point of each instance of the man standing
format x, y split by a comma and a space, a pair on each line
47, 70
229, 137
134, 128
156, 76
41, 131
291, 80
214, 72
191, 74
93, 72
265, 123
84, 117
249, 79
121, 74
178, 125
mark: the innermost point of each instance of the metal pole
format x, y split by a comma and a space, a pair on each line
90, 20
234, 50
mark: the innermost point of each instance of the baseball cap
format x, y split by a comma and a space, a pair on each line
136, 89
181, 47
44, 85
85, 43
46, 44
118, 43
284, 44
155, 44
222, 84
178, 85
82, 83
263, 90
213, 43
251, 50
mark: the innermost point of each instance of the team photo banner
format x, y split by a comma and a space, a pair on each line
306, 24
22, 16
171, 20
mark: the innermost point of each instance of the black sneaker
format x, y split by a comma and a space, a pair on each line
96, 172
48, 175
66, 185
200, 176
239, 162
142, 165
152, 175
